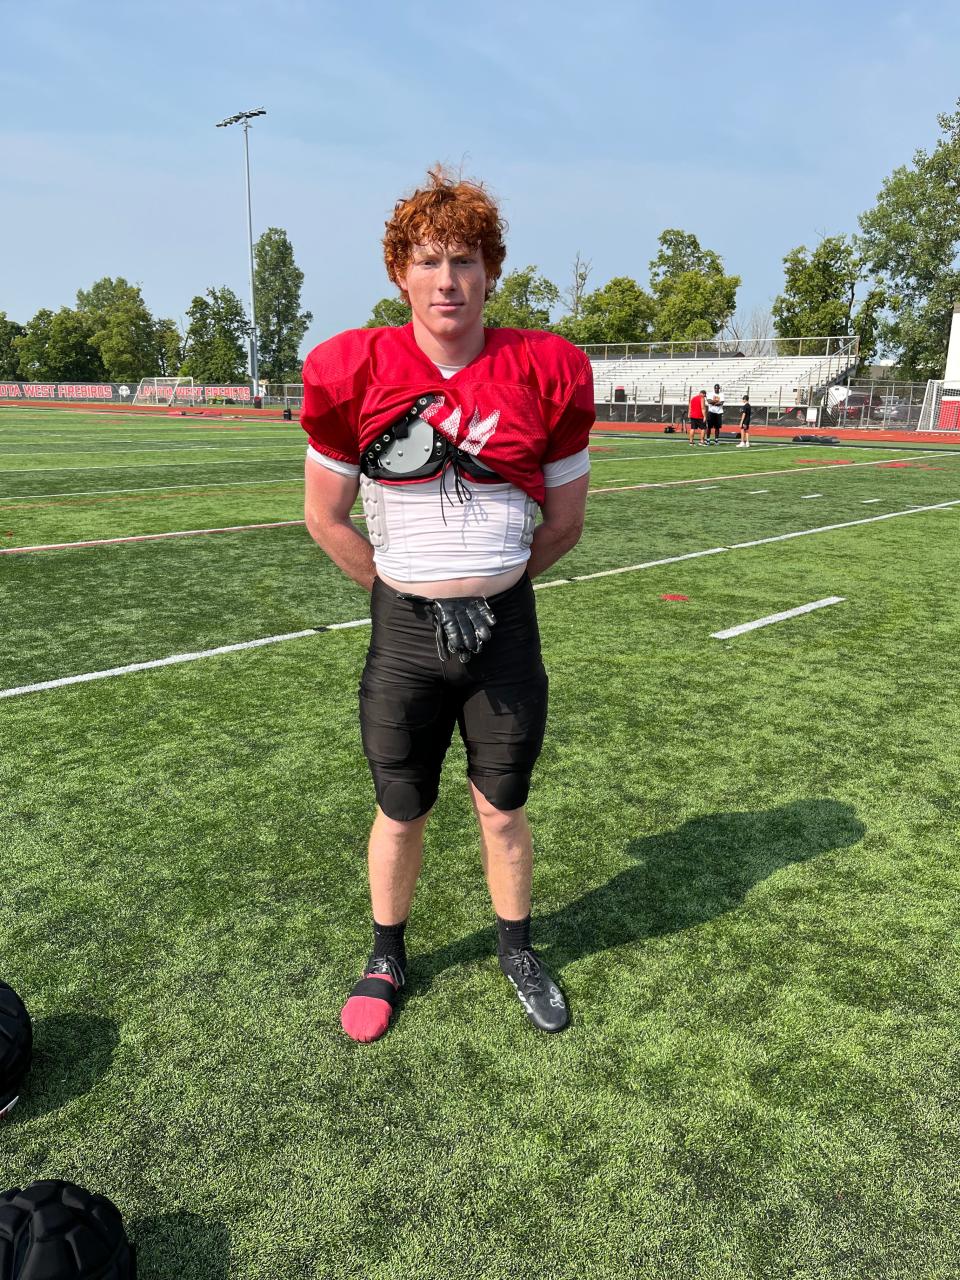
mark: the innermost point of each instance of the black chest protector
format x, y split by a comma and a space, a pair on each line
410, 449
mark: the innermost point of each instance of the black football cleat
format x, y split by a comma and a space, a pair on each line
537, 991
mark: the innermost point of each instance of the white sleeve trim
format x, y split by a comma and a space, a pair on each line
332, 464
566, 469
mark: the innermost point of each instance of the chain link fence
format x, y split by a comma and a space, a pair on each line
876, 405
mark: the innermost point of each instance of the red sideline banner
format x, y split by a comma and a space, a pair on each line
59, 391
117, 392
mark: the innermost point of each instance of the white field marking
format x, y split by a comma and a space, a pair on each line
758, 490
228, 462
865, 501
362, 622
176, 658
683, 453
846, 524
175, 448
702, 487
146, 537
635, 568
44, 445
811, 495
759, 475
775, 617
152, 488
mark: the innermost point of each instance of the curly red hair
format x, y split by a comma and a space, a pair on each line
448, 211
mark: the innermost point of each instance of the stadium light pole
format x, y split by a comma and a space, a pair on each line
246, 117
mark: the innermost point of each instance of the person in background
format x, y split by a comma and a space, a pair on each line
746, 410
697, 411
715, 414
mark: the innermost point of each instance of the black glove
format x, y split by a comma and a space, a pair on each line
464, 625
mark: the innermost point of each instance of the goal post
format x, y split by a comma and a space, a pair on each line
941, 406
164, 391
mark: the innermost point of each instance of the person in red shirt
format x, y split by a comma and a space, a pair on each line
457, 438
698, 412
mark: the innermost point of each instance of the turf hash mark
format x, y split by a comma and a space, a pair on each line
771, 618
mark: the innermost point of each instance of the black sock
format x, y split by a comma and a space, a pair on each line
514, 934
388, 941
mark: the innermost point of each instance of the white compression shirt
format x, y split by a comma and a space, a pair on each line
423, 532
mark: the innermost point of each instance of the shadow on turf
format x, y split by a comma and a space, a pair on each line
682, 878
71, 1052
180, 1244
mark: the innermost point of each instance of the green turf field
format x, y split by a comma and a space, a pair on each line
748, 878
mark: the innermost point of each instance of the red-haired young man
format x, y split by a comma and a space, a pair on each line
457, 438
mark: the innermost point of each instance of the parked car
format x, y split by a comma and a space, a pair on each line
892, 409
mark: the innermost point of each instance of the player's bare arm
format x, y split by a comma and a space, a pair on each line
329, 499
564, 508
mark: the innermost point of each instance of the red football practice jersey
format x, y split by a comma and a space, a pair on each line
525, 400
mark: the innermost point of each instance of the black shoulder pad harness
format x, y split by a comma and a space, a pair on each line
410, 449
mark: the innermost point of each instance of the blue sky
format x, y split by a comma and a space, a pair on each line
756, 126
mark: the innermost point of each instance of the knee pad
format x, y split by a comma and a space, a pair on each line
404, 800
505, 791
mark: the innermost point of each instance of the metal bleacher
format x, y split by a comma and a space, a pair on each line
770, 379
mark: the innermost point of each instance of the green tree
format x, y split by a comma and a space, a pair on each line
819, 297
124, 331
59, 348
215, 345
9, 356
694, 296
522, 300
389, 313
911, 241
680, 252
280, 322
818, 291
620, 311
170, 347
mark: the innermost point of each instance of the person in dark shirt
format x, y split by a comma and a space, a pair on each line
746, 409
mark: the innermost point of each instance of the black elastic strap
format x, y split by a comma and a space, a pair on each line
379, 988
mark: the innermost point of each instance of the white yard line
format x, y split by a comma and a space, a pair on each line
701, 488
151, 488
227, 462
846, 524
759, 475
176, 658
127, 453
758, 490
811, 495
771, 618
866, 501
145, 537
682, 453
362, 622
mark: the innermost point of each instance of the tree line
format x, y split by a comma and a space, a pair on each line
892, 283
111, 335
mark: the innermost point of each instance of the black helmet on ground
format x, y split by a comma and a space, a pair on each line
54, 1230
16, 1048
